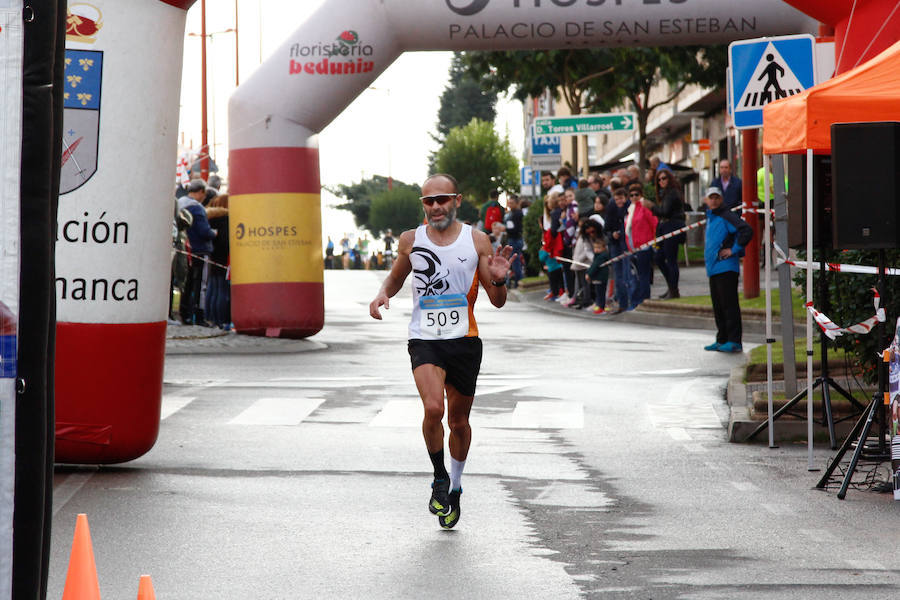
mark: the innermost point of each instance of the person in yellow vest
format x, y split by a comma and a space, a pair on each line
761, 185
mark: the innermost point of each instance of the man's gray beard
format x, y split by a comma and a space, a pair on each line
447, 222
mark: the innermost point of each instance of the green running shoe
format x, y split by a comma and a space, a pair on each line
449, 519
439, 490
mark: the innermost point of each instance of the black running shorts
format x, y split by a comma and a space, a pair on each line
460, 358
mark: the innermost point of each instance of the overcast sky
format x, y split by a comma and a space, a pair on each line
385, 131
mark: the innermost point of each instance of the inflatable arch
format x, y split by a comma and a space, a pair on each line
115, 207
274, 203
114, 224
863, 29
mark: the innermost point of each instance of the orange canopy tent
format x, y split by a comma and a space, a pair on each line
870, 92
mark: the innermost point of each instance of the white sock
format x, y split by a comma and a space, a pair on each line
456, 469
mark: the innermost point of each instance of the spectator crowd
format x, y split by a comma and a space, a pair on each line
608, 216
200, 275
584, 225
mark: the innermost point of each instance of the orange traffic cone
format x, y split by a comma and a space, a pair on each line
145, 589
81, 578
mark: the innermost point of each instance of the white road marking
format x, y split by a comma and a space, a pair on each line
778, 509
68, 488
668, 372
526, 415
572, 496
682, 409
400, 413
488, 390
820, 535
678, 434
172, 404
866, 565
695, 449
540, 414
744, 486
277, 411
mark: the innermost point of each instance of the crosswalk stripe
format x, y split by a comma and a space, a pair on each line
172, 404
526, 415
544, 414
277, 411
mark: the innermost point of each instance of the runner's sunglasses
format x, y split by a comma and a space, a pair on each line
439, 198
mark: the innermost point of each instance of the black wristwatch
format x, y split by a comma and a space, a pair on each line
498, 283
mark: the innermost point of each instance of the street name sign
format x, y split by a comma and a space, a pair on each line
583, 124
766, 69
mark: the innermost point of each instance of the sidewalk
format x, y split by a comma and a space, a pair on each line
693, 282
193, 339
659, 313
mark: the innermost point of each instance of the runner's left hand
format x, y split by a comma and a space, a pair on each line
499, 263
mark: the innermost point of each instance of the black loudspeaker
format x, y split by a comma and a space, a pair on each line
866, 160
822, 201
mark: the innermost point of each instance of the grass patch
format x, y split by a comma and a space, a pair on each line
758, 303
533, 279
758, 354
694, 254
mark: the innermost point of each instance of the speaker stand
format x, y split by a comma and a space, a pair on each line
875, 412
824, 380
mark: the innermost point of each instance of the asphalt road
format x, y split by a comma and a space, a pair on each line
599, 469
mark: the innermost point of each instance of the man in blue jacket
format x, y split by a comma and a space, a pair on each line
726, 236
200, 236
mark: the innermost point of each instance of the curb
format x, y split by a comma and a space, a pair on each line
787, 429
186, 340
657, 313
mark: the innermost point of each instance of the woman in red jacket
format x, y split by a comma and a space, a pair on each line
640, 228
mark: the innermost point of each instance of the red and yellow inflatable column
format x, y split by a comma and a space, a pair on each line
114, 224
276, 241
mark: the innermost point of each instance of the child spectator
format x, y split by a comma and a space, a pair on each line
582, 256
598, 275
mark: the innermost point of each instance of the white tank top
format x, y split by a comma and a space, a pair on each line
444, 287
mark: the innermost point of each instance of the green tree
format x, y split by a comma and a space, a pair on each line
533, 232
463, 100
398, 209
359, 196
602, 79
480, 160
639, 70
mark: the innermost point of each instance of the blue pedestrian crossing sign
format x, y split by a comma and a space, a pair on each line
767, 69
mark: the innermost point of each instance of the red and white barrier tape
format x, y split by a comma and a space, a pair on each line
832, 331
203, 258
672, 234
836, 267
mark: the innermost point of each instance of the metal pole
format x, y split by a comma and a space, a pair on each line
748, 171
809, 299
204, 143
769, 338
237, 55
784, 280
